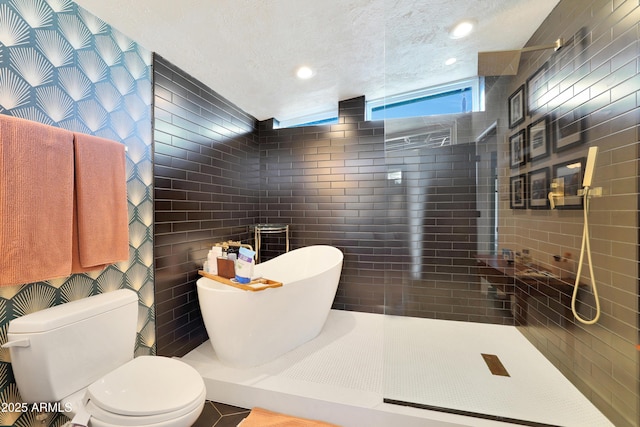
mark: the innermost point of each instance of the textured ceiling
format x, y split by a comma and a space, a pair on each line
248, 50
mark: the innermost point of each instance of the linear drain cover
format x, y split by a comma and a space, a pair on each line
495, 365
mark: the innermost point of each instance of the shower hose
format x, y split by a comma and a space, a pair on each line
594, 287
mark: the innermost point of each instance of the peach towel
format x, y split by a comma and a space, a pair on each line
36, 201
259, 417
101, 197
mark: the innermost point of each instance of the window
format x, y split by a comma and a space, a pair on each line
325, 118
457, 97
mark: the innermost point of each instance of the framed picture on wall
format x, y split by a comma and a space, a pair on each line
518, 149
539, 187
538, 137
537, 89
567, 130
516, 107
568, 178
518, 191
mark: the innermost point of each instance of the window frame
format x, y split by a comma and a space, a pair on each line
475, 83
316, 119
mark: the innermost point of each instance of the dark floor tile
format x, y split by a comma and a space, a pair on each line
225, 409
231, 420
216, 414
208, 417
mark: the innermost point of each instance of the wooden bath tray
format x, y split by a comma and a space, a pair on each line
253, 286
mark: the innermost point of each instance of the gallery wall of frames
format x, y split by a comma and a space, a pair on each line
536, 137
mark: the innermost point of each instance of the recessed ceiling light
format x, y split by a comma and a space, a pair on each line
461, 29
304, 72
450, 61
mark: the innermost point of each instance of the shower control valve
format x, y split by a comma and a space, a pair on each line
593, 192
556, 195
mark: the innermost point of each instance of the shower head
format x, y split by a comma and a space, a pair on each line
506, 62
591, 164
499, 63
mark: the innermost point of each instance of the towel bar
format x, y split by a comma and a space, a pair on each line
260, 229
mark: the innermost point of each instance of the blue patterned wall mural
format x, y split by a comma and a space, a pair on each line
64, 67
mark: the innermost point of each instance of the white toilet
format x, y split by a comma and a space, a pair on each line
80, 354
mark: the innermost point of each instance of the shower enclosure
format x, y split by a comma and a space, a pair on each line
441, 190
442, 196
450, 183
442, 185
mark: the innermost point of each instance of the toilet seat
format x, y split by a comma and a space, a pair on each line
146, 390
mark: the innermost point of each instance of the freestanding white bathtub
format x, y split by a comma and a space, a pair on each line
251, 328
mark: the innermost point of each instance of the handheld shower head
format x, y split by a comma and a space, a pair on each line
586, 183
591, 164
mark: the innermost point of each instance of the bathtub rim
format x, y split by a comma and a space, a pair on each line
216, 286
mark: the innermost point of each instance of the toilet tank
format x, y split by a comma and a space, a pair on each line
60, 350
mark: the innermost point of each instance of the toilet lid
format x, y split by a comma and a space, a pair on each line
147, 385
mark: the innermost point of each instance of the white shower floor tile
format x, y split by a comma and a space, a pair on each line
359, 359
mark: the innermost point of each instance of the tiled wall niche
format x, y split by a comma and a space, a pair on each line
67, 68
206, 169
596, 77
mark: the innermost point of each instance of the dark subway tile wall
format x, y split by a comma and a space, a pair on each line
595, 79
325, 182
436, 237
206, 172
331, 184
